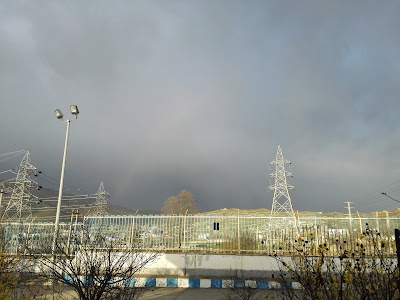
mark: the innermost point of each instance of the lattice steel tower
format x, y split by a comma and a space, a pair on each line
19, 205
281, 203
101, 203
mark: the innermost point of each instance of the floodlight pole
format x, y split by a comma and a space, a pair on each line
59, 115
60, 190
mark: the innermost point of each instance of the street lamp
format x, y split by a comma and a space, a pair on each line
60, 116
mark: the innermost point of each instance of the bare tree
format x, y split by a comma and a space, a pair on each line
363, 272
181, 204
9, 276
100, 267
10, 270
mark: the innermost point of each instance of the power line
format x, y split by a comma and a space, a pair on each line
383, 193
376, 192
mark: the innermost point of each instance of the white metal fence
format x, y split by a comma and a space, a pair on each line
214, 234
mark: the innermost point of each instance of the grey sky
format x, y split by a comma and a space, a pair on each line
197, 95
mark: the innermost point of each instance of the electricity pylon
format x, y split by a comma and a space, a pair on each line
19, 205
281, 204
101, 203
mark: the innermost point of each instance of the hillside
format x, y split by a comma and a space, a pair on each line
44, 203
267, 212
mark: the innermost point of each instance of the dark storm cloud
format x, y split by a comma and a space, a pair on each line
198, 95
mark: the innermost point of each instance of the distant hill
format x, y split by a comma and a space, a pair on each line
267, 212
45, 202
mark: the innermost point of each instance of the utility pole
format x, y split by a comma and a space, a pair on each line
350, 218
349, 207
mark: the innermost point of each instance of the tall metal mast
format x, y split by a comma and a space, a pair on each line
101, 203
281, 203
19, 205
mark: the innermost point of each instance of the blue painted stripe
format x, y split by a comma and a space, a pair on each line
216, 283
191, 283
129, 282
68, 278
239, 283
150, 282
287, 285
87, 281
194, 283
111, 281
172, 282
262, 285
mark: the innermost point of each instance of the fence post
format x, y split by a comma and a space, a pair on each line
132, 232
184, 231
83, 228
27, 239
238, 231
70, 231
387, 221
76, 223
359, 219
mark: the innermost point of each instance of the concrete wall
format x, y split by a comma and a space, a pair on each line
206, 266
206, 271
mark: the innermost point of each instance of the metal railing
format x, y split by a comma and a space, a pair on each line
258, 235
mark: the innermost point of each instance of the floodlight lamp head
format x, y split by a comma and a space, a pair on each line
74, 110
59, 114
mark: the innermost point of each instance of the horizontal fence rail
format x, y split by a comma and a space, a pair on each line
214, 234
